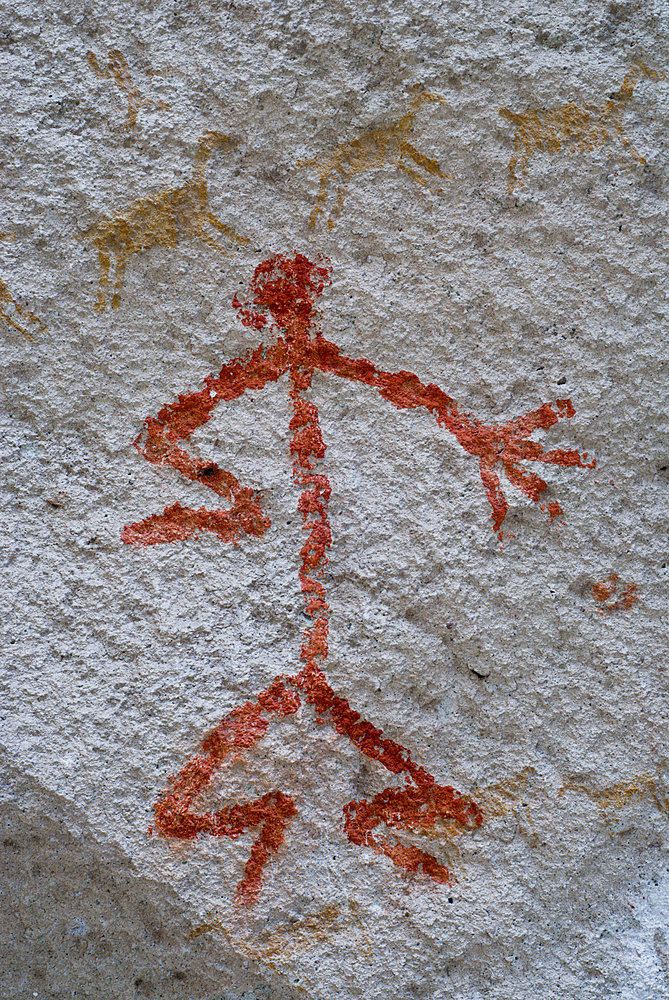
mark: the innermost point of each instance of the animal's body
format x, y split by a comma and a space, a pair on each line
161, 219
578, 129
374, 148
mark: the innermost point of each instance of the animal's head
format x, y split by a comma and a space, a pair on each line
418, 96
632, 77
286, 288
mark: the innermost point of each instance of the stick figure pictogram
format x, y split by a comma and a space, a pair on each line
282, 299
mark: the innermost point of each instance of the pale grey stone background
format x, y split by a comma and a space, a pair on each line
493, 665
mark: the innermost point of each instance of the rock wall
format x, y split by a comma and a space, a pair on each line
334, 500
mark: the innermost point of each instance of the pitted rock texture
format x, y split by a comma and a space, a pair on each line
486, 187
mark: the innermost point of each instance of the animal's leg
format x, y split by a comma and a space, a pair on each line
176, 813
104, 261
121, 263
429, 165
228, 230
7, 298
519, 152
322, 189
321, 198
512, 174
412, 173
339, 204
626, 142
131, 117
211, 242
29, 315
17, 326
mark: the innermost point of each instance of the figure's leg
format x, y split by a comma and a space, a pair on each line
415, 806
104, 261
176, 812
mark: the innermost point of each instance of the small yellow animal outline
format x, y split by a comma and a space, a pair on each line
8, 300
611, 799
288, 940
161, 219
117, 67
578, 129
374, 148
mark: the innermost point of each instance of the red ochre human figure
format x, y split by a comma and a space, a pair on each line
281, 302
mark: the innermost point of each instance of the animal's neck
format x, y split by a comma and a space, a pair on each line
626, 91
199, 176
201, 160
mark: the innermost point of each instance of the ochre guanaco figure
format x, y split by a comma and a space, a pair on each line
374, 148
578, 129
162, 219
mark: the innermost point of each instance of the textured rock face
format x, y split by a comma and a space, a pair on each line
370, 288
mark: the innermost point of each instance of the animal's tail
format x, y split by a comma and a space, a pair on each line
632, 77
211, 141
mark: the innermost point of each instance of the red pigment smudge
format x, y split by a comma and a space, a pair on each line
606, 589
282, 300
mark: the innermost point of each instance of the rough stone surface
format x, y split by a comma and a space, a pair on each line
527, 673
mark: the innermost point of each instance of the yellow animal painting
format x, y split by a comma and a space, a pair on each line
578, 129
162, 219
611, 799
374, 148
14, 314
117, 68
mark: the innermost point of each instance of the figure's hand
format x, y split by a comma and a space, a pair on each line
509, 445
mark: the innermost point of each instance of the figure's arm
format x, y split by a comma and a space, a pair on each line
160, 444
507, 444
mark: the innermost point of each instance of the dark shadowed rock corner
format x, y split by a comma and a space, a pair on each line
78, 921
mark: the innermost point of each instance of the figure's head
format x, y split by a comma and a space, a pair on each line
287, 289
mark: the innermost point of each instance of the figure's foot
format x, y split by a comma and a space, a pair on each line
178, 523
176, 813
509, 445
411, 808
